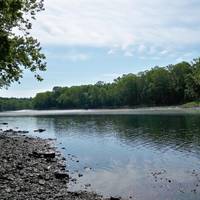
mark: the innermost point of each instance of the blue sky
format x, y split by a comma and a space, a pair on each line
90, 40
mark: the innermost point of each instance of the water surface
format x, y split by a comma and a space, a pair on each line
144, 156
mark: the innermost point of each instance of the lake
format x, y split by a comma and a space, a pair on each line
143, 155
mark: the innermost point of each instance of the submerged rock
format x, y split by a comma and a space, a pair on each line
4, 123
9, 131
22, 131
40, 130
115, 198
61, 175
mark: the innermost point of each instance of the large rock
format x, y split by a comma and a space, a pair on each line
45, 154
61, 175
40, 130
4, 123
115, 198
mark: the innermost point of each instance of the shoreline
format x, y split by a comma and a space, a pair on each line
31, 168
120, 111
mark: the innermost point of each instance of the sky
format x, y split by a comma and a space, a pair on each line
86, 41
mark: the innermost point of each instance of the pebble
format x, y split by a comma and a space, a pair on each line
41, 182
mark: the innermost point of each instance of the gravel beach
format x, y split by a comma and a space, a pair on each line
32, 169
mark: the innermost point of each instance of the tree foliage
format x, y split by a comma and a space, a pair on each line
7, 104
171, 85
159, 86
19, 50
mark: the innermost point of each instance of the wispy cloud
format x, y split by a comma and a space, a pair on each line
127, 23
128, 53
184, 57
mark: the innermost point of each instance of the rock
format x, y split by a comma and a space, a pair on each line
47, 167
4, 123
21, 172
62, 166
47, 177
80, 175
8, 190
87, 168
59, 195
17, 189
115, 198
40, 130
10, 178
61, 175
22, 131
74, 180
194, 191
47, 154
19, 166
41, 182
87, 185
8, 131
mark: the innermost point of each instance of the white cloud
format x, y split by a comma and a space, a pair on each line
184, 57
128, 53
164, 52
141, 48
122, 23
111, 51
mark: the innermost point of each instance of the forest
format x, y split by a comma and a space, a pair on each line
7, 104
159, 86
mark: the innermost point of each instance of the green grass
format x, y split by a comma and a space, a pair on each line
191, 104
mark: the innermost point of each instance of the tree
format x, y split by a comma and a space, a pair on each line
180, 73
159, 86
193, 82
44, 100
18, 50
127, 89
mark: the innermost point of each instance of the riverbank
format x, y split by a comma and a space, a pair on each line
32, 169
173, 110
193, 104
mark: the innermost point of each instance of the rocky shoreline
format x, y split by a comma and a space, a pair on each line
32, 169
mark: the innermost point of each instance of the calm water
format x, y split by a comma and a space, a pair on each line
147, 157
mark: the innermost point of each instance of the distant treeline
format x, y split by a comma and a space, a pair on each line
7, 104
171, 85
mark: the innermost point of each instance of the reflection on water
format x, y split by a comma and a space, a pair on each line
143, 156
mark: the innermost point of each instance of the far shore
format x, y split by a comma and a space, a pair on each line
120, 111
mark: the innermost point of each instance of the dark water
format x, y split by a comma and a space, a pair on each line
147, 157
